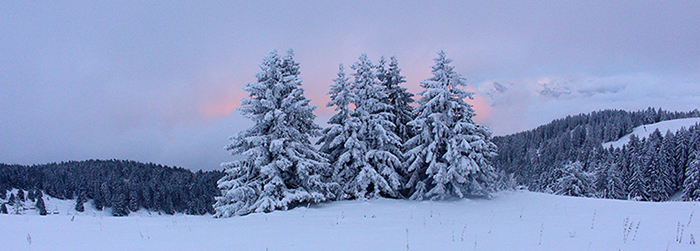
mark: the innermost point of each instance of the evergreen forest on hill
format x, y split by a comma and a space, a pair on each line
566, 157
124, 186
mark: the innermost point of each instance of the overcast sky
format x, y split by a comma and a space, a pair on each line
158, 81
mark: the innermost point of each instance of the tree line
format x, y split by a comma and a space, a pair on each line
124, 186
566, 157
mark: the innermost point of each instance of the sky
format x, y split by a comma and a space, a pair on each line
159, 81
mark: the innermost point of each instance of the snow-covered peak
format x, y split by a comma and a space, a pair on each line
645, 130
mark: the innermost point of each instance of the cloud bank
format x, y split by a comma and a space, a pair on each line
159, 81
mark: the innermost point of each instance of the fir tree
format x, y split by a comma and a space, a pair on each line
681, 154
378, 175
340, 140
79, 202
600, 182
659, 174
638, 183
615, 188
281, 168
668, 155
120, 205
3, 209
399, 98
12, 200
691, 185
335, 136
41, 206
572, 181
449, 156
133, 201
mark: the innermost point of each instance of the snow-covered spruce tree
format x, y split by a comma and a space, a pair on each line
614, 186
450, 154
281, 168
668, 153
334, 137
40, 206
371, 164
600, 178
638, 183
340, 141
398, 97
80, 201
572, 181
660, 172
681, 154
691, 185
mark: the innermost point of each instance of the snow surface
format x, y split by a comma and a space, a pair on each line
645, 130
517, 220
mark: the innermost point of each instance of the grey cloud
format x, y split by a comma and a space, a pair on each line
153, 81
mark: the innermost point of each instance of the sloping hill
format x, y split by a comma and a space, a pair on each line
644, 131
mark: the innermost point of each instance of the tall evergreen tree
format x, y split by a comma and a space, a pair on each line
572, 181
668, 155
380, 174
334, 137
615, 188
79, 202
41, 206
600, 176
342, 139
120, 205
638, 182
659, 171
681, 154
449, 156
399, 98
364, 147
133, 201
12, 200
3, 209
691, 185
281, 169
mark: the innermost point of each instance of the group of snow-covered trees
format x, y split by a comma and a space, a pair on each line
123, 186
566, 157
18, 204
377, 144
648, 169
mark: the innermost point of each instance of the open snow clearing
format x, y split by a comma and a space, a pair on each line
517, 220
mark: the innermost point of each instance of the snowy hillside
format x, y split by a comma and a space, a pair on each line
646, 130
511, 221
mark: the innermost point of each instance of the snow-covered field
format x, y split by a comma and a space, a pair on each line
517, 220
645, 130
